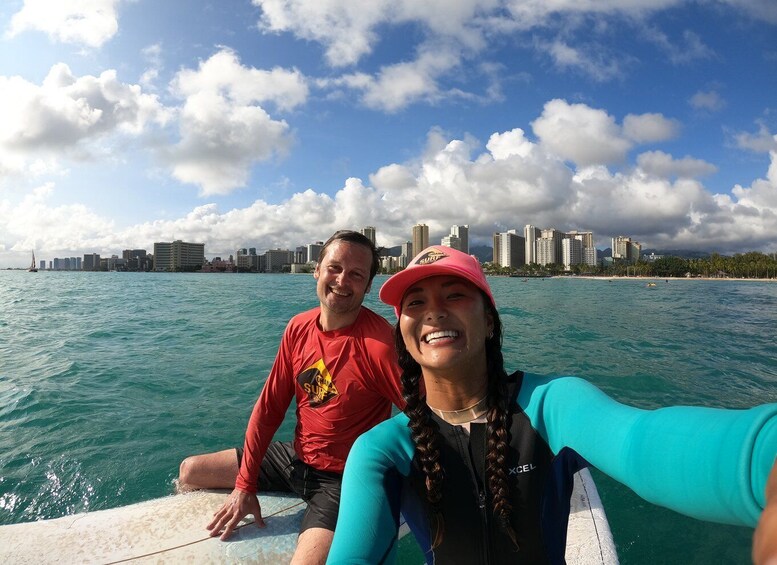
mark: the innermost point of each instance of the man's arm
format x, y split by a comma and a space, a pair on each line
267, 416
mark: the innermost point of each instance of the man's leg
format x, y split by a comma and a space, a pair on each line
209, 470
321, 490
313, 546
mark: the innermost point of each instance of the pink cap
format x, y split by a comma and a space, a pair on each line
433, 261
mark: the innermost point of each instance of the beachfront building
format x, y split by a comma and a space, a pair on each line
624, 249
277, 260
420, 238
137, 260
301, 254
91, 262
178, 256
369, 233
549, 250
589, 250
462, 233
531, 235
247, 260
314, 250
571, 252
509, 249
451, 241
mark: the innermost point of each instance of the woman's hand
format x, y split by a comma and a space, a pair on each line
765, 537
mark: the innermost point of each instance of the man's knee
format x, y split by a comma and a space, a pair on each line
186, 472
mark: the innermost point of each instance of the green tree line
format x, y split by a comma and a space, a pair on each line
750, 265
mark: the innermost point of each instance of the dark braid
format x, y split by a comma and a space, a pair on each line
425, 431
498, 430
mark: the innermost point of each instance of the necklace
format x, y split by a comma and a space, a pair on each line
465, 415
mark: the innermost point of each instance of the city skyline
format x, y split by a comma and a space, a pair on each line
132, 121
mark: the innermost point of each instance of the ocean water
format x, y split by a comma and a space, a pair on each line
108, 380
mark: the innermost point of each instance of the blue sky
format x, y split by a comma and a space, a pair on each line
272, 123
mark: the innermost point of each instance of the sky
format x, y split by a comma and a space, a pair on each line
273, 123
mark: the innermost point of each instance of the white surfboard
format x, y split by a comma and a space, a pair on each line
172, 530
589, 539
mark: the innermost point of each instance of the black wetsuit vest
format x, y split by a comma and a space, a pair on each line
540, 488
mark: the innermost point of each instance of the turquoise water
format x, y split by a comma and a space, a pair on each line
107, 380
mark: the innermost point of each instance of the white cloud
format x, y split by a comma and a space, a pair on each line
223, 125
86, 22
579, 133
511, 183
758, 9
664, 165
468, 29
762, 195
688, 50
708, 100
649, 128
153, 55
34, 223
399, 85
761, 142
224, 75
347, 29
595, 63
67, 115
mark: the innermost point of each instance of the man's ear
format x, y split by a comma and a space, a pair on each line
316, 272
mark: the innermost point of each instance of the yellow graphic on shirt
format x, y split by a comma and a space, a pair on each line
317, 383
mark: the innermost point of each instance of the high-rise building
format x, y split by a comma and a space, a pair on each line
531, 235
549, 247
178, 255
135, 259
452, 241
314, 250
625, 249
91, 262
462, 232
420, 238
589, 250
509, 249
369, 233
406, 251
276, 259
571, 252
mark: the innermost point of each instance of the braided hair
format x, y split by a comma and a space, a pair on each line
426, 433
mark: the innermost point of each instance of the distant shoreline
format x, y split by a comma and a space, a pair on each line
671, 279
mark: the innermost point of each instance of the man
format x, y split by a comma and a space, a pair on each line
339, 361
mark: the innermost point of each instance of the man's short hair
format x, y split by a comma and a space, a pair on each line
358, 238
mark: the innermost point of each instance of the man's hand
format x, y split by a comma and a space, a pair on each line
238, 505
765, 538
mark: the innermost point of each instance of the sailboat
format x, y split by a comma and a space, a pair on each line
33, 268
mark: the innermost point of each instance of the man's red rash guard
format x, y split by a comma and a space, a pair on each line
344, 382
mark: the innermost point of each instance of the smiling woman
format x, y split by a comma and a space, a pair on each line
481, 463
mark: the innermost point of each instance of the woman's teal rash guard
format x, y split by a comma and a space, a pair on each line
707, 463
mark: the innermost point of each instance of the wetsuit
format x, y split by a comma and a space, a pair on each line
708, 463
